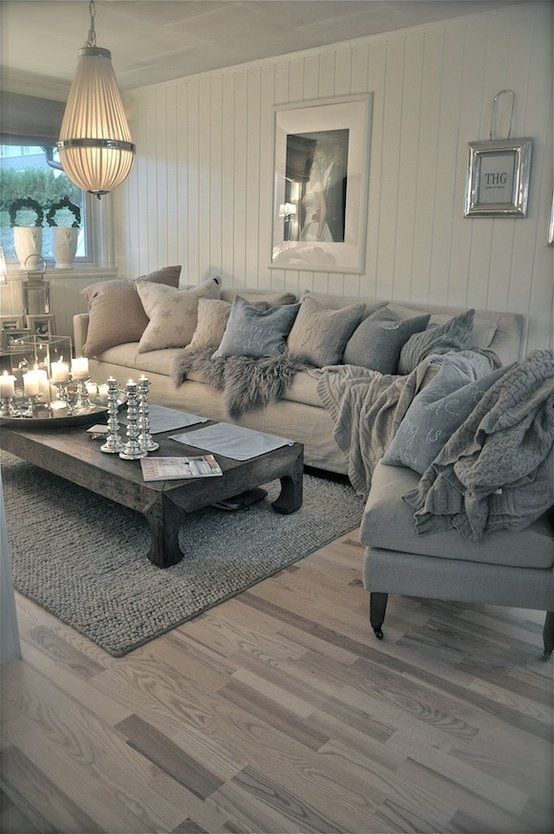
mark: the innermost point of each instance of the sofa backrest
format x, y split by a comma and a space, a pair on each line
499, 332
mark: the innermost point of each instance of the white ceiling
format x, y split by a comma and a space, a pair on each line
157, 40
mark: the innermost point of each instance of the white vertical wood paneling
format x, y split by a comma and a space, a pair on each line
201, 189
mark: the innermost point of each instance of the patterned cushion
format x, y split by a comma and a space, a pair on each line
454, 334
213, 316
377, 342
254, 332
107, 299
435, 414
319, 335
172, 313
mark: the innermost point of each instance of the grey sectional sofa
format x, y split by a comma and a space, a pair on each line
301, 415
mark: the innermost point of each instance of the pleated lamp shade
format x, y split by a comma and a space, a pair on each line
95, 145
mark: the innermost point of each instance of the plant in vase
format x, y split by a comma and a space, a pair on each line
65, 237
27, 239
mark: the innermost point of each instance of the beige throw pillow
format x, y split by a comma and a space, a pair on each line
319, 335
212, 321
173, 313
116, 314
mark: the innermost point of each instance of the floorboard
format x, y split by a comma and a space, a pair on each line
278, 711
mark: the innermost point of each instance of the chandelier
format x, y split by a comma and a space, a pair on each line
95, 145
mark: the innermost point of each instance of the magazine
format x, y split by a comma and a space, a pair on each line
177, 469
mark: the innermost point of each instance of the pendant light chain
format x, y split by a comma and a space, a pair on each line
91, 37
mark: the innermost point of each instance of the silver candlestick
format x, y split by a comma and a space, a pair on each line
146, 439
114, 443
133, 449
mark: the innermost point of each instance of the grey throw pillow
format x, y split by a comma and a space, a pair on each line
454, 334
254, 332
377, 342
434, 415
319, 335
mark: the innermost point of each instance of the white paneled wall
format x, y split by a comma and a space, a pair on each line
200, 193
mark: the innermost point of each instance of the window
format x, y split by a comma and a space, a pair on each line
25, 172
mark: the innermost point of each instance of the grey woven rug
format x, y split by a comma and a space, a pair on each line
83, 558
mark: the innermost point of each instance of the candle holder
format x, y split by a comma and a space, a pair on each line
146, 439
30, 411
133, 449
8, 408
83, 400
114, 443
64, 395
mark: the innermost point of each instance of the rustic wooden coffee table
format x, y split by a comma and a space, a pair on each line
71, 454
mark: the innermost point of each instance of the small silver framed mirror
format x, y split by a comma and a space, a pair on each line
497, 181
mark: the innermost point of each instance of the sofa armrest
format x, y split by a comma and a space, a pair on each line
80, 328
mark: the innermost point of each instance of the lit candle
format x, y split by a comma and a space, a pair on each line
60, 371
7, 385
103, 393
92, 389
33, 381
79, 368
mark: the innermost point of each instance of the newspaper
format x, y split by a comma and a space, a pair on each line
177, 469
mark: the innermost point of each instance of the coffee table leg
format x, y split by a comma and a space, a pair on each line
164, 520
290, 498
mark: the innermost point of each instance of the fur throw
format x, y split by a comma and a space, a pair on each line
248, 383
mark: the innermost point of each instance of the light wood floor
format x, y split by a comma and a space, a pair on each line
279, 712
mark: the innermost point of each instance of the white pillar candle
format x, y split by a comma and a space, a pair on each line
7, 385
60, 371
103, 393
35, 382
43, 382
79, 368
92, 389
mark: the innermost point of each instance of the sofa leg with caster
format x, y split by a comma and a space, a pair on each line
377, 608
548, 635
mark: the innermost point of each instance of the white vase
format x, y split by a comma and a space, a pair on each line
65, 246
28, 241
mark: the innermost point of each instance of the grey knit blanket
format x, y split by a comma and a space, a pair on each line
493, 472
367, 407
247, 383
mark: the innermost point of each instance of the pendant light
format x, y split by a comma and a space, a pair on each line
95, 145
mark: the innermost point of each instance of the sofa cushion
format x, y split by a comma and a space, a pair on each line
387, 524
128, 356
213, 315
337, 302
172, 313
254, 332
304, 389
435, 414
319, 335
274, 299
454, 334
377, 341
108, 300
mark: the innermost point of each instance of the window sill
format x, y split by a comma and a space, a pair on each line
15, 273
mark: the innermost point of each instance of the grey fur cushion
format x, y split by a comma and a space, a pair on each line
254, 332
319, 335
378, 340
454, 334
435, 414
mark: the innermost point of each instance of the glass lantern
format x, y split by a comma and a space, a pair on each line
31, 362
